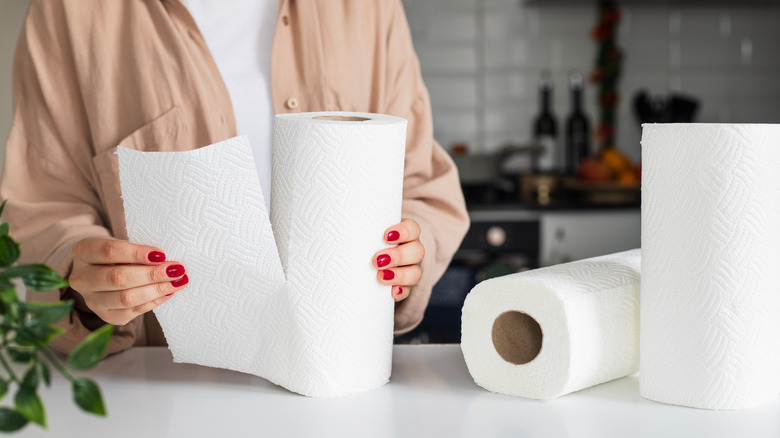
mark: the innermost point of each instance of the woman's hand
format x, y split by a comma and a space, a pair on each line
400, 266
119, 280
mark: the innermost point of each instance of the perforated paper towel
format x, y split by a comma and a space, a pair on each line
710, 307
296, 302
551, 331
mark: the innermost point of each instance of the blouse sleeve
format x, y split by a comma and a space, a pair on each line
48, 178
432, 193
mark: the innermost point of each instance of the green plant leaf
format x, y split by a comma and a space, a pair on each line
4, 229
8, 295
48, 313
2, 207
32, 334
9, 250
21, 270
87, 395
87, 354
30, 379
35, 276
20, 356
3, 388
11, 420
45, 281
30, 406
45, 372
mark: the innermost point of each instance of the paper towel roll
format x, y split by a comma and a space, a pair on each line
296, 302
710, 306
551, 331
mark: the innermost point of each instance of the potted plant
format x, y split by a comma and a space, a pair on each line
26, 329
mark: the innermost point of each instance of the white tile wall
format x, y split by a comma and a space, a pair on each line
643, 54
719, 53
451, 126
482, 58
501, 5
698, 82
764, 48
749, 111
565, 21
464, 98
453, 27
644, 23
761, 85
520, 53
12, 14
697, 24
500, 25
508, 86
442, 60
755, 22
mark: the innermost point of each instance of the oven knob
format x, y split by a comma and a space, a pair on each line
496, 236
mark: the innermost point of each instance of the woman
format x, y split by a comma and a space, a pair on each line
90, 75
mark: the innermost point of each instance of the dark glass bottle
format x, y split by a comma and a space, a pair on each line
577, 127
545, 130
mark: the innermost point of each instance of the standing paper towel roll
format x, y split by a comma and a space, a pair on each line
710, 310
551, 331
294, 299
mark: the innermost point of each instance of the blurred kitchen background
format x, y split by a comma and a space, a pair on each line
485, 61
482, 60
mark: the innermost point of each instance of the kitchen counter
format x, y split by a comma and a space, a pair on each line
430, 394
555, 205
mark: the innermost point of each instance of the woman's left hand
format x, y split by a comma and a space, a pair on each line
399, 267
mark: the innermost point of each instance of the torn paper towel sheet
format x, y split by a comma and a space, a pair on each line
545, 333
710, 307
294, 299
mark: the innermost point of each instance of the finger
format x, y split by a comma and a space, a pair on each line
98, 251
403, 276
120, 277
407, 231
123, 316
410, 253
400, 293
139, 296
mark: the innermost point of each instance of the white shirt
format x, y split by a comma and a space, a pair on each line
240, 34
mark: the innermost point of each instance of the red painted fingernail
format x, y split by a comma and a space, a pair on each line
174, 271
167, 295
388, 275
400, 291
383, 260
393, 236
180, 282
156, 257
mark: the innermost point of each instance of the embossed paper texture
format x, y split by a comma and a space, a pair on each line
588, 315
710, 306
292, 297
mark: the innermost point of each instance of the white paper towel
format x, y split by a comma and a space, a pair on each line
299, 305
588, 322
710, 306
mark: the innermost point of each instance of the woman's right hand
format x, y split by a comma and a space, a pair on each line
119, 280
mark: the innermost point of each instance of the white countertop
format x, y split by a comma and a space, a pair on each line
430, 394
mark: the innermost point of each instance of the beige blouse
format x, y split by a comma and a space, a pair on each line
90, 75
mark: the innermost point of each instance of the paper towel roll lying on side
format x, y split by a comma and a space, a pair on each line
551, 331
710, 306
299, 305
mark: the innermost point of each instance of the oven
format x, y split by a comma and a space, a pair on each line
500, 241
